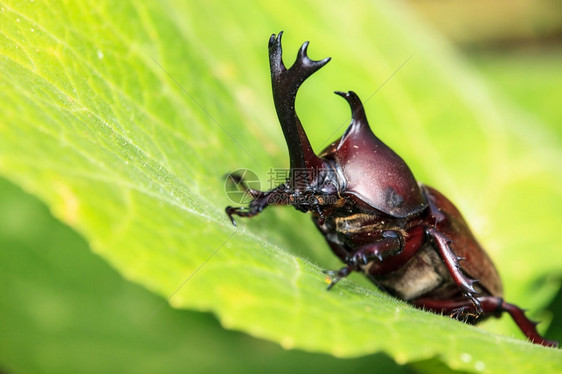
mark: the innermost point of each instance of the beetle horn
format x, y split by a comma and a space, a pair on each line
285, 83
358, 117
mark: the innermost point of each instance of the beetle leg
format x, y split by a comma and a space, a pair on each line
390, 245
463, 312
277, 196
336, 275
238, 180
490, 305
321, 216
452, 262
255, 208
527, 326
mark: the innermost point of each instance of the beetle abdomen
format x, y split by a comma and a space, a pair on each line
423, 274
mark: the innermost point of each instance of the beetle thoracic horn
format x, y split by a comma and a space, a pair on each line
285, 83
358, 117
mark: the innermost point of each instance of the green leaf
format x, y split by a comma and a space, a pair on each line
64, 310
540, 88
125, 117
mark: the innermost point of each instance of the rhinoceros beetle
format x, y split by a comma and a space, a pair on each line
408, 238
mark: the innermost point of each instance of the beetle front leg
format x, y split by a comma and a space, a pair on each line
255, 208
452, 262
277, 196
391, 244
239, 181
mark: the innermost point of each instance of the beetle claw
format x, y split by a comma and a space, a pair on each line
458, 312
479, 310
334, 276
230, 211
332, 284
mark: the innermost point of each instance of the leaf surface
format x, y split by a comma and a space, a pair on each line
125, 117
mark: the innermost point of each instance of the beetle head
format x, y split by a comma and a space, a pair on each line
357, 164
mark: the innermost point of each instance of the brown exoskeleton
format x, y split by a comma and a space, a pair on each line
408, 238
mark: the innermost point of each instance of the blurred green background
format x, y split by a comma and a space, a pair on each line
65, 310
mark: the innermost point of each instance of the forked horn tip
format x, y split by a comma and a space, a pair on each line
303, 51
325, 61
275, 40
302, 57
